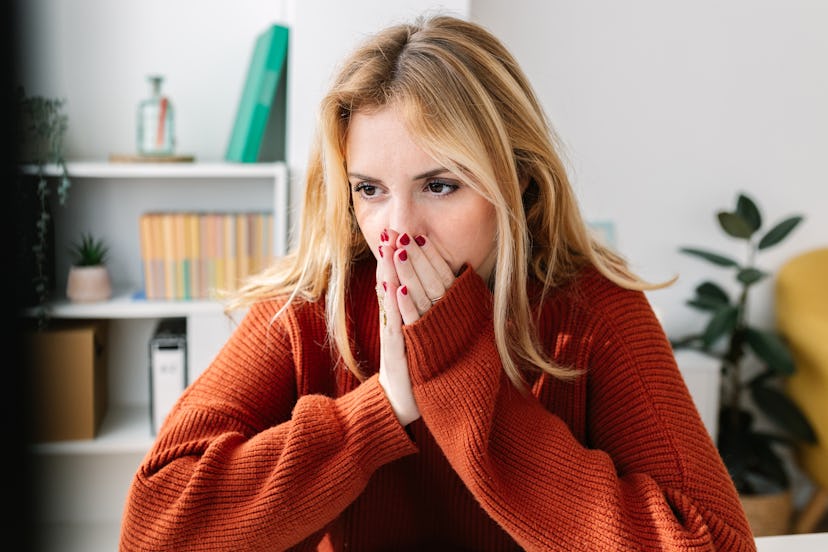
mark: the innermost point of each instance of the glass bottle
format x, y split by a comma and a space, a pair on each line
156, 130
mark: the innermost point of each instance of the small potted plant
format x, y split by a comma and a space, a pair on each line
754, 362
88, 276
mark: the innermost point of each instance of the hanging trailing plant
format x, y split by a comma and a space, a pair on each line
41, 129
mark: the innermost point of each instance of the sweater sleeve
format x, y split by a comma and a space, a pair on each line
241, 464
650, 478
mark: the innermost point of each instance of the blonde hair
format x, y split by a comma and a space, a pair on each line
469, 105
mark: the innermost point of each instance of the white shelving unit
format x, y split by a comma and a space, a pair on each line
82, 484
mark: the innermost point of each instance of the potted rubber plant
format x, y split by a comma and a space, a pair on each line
754, 363
88, 279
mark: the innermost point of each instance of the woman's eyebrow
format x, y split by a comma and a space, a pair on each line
422, 176
362, 177
431, 173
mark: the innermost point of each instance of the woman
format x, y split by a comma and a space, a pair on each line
448, 360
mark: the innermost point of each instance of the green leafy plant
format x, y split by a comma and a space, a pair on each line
750, 454
89, 251
41, 127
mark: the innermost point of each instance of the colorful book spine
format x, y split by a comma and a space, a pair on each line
146, 254
242, 249
196, 255
204, 257
230, 261
258, 248
168, 249
180, 265
158, 271
192, 254
217, 253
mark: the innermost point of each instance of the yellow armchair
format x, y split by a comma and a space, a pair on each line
802, 317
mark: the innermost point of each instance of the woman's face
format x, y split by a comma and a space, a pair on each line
396, 186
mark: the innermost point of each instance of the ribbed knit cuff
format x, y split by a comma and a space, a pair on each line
372, 426
448, 329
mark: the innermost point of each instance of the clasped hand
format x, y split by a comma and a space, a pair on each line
411, 277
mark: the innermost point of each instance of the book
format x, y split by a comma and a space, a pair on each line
181, 268
266, 70
257, 247
204, 255
268, 239
146, 255
242, 249
192, 259
168, 254
157, 258
229, 252
217, 273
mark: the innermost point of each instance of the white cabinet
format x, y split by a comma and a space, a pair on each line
81, 485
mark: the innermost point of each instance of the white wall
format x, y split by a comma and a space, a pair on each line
670, 109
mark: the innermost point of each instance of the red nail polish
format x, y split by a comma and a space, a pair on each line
403, 255
420, 240
385, 286
380, 251
404, 290
384, 236
405, 239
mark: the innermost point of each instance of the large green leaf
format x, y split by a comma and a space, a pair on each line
734, 225
779, 408
714, 258
709, 297
747, 209
712, 292
723, 322
770, 348
705, 304
779, 232
750, 276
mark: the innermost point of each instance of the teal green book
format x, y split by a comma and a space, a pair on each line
267, 69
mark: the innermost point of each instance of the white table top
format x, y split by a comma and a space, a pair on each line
811, 542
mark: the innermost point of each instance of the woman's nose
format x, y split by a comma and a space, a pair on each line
404, 217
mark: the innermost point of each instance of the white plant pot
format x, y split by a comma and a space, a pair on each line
87, 284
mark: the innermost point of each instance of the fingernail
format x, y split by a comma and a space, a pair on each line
380, 251
404, 290
384, 236
385, 286
405, 239
403, 255
420, 240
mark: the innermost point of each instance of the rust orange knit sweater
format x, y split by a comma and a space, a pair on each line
274, 447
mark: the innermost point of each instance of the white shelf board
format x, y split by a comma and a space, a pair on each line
125, 304
217, 169
124, 430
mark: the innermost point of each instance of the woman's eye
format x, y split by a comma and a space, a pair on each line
440, 187
365, 189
